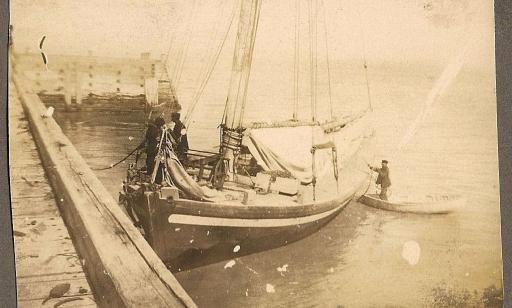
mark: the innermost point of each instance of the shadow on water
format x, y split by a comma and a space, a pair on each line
224, 241
290, 269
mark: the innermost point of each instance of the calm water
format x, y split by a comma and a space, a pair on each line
356, 260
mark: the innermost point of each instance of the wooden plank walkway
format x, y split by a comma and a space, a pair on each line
45, 255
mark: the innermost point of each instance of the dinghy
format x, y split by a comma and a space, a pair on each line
440, 204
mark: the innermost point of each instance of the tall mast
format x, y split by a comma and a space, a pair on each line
235, 103
242, 60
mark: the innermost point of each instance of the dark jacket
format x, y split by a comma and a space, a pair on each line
383, 178
151, 140
181, 140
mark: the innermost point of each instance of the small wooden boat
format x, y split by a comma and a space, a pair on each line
441, 204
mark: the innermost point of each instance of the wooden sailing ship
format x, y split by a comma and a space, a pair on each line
257, 192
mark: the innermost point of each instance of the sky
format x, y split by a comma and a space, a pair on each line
428, 31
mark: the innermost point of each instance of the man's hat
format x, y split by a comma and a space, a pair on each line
159, 121
384, 161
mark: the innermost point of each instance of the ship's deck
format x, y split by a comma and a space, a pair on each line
241, 194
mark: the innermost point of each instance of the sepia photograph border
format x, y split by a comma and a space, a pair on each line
503, 56
7, 265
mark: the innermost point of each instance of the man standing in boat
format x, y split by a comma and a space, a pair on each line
151, 141
382, 179
179, 135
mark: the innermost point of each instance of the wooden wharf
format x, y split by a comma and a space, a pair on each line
69, 229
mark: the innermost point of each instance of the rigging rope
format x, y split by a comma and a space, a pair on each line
365, 63
184, 50
243, 73
171, 44
208, 57
313, 72
327, 59
164, 71
312, 55
239, 83
334, 150
296, 66
315, 59
148, 109
210, 69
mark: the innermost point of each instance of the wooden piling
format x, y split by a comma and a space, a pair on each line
123, 269
68, 84
78, 88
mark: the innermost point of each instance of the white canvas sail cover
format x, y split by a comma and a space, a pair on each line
289, 148
151, 91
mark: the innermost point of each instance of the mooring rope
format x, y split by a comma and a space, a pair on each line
113, 165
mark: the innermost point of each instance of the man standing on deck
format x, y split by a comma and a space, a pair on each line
179, 135
382, 179
151, 141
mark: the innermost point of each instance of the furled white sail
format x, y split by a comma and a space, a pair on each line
288, 149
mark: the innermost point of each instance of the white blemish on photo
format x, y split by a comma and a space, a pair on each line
411, 252
282, 269
270, 288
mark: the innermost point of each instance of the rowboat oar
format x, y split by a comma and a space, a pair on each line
369, 184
